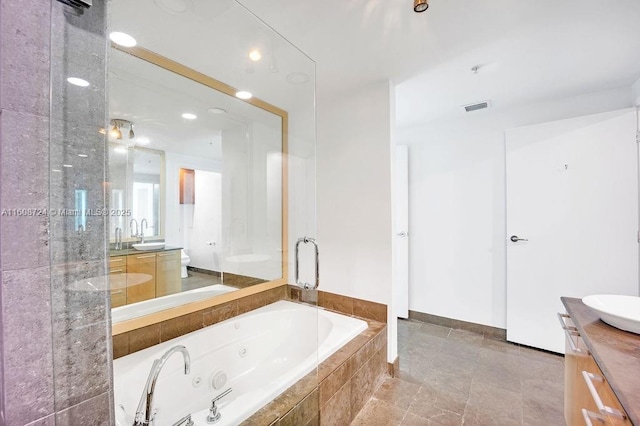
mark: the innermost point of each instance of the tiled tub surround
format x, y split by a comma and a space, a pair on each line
262, 353
126, 312
145, 337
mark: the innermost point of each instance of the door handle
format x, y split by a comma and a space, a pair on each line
515, 239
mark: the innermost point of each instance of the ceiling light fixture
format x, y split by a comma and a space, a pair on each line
78, 81
118, 124
255, 55
122, 39
420, 5
82, 155
68, 166
189, 116
242, 94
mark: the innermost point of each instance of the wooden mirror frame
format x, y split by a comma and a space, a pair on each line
191, 74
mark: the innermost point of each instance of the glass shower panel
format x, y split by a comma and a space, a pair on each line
78, 217
230, 105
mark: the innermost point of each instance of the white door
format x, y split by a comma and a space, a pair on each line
401, 230
572, 200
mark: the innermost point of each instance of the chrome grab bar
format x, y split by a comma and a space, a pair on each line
307, 286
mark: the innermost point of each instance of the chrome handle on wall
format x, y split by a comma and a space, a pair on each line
307, 286
589, 378
590, 415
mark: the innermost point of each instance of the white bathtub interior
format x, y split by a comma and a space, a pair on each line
261, 353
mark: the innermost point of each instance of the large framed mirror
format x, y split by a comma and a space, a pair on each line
197, 175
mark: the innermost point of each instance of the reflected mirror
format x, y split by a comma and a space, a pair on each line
196, 187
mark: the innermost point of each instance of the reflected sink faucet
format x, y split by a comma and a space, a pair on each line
146, 417
143, 225
118, 238
131, 228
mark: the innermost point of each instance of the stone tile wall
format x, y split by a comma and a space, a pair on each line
55, 341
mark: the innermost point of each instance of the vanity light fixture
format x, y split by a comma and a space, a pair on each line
122, 39
189, 116
242, 94
420, 5
118, 124
115, 132
78, 81
255, 55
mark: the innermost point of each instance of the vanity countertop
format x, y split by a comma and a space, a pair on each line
125, 252
616, 352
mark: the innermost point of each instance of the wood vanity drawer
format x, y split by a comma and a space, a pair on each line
117, 280
168, 279
141, 264
606, 407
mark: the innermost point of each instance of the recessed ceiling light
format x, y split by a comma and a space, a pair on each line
189, 116
175, 6
67, 166
142, 141
120, 150
255, 55
123, 39
297, 78
217, 110
82, 155
244, 95
78, 81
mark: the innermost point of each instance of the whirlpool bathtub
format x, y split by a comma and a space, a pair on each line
258, 355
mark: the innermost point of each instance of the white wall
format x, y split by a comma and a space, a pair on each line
206, 227
457, 205
636, 92
176, 215
354, 158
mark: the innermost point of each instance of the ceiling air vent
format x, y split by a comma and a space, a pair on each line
476, 107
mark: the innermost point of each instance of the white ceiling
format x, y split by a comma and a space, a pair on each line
154, 99
527, 50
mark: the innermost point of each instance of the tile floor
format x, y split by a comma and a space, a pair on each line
198, 280
455, 377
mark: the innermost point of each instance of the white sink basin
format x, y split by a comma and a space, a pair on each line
622, 312
148, 246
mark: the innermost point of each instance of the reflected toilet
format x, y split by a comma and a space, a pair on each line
184, 261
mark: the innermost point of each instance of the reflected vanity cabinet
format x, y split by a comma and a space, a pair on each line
117, 269
588, 398
144, 276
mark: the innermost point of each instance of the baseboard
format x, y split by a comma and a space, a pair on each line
492, 332
204, 271
393, 368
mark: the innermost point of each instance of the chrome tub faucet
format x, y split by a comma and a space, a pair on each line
145, 414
